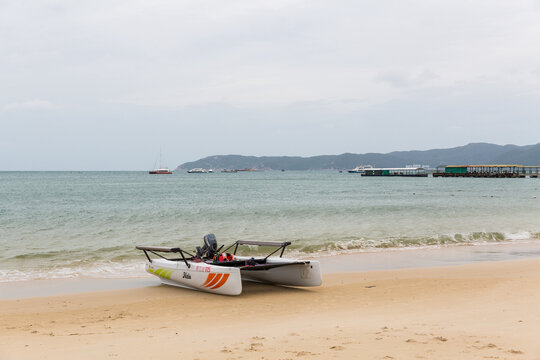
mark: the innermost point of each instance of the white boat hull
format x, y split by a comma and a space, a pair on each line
290, 275
228, 280
200, 276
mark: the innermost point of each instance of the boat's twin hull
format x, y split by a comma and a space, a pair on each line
228, 280
200, 276
308, 274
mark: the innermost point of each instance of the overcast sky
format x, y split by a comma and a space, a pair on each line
103, 84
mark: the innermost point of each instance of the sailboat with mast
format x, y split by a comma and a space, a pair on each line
161, 169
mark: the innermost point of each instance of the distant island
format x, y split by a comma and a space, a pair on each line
474, 153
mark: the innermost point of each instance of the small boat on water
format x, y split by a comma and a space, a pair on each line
164, 170
198, 171
161, 169
360, 169
217, 271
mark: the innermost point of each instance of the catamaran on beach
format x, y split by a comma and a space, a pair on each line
215, 270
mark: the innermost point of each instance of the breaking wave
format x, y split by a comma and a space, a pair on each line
125, 262
348, 245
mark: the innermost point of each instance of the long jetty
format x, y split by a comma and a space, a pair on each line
488, 171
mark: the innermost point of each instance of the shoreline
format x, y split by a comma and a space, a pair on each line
387, 259
472, 311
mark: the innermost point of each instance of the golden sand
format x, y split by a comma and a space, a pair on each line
479, 311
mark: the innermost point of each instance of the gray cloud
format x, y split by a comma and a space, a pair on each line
36, 104
405, 80
256, 77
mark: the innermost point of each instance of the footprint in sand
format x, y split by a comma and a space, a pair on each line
337, 347
512, 351
304, 353
488, 346
440, 338
254, 347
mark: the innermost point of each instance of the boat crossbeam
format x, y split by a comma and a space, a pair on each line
280, 246
157, 249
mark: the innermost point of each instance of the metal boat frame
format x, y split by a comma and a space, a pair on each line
225, 277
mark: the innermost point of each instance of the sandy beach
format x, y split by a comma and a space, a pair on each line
477, 311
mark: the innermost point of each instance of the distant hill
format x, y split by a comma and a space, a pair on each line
474, 153
526, 155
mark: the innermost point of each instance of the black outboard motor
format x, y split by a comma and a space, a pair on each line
210, 247
210, 243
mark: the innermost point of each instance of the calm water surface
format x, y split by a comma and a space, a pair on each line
62, 224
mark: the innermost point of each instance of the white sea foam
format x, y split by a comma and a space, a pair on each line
135, 267
100, 270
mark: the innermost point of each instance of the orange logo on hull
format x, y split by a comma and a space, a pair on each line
215, 281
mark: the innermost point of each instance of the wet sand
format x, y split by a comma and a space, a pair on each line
486, 310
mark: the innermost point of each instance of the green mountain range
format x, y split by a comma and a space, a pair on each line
474, 153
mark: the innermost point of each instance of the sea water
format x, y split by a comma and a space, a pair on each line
87, 224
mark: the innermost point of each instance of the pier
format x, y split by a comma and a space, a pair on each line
488, 171
406, 171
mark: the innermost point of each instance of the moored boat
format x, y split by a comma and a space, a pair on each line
160, 171
197, 171
360, 169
